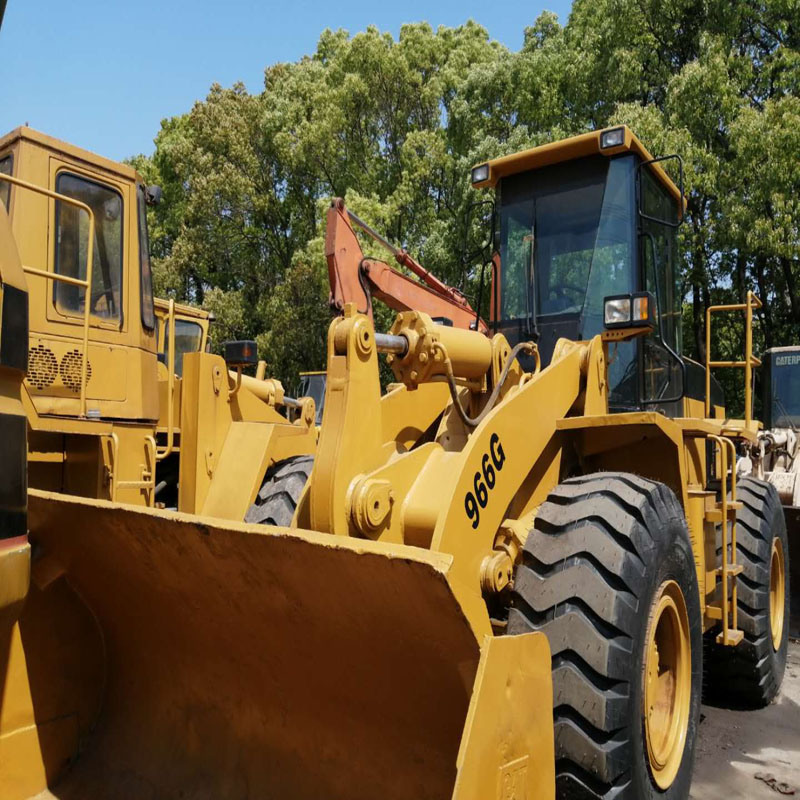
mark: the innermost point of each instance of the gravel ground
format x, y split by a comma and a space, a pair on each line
734, 746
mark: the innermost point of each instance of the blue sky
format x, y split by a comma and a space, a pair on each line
103, 75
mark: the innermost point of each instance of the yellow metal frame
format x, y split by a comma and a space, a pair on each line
85, 285
752, 302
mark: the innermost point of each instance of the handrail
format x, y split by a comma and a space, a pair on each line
86, 285
161, 454
148, 482
728, 606
750, 360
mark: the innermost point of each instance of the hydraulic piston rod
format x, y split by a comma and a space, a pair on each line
389, 343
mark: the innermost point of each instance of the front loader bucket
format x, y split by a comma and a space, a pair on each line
166, 656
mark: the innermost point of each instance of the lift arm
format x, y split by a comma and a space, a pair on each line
356, 279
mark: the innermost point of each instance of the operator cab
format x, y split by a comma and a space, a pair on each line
54, 192
579, 221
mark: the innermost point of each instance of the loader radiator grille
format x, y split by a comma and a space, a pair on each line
42, 367
70, 370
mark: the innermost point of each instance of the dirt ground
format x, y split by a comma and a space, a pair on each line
734, 746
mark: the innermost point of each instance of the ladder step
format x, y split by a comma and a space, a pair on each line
714, 612
714, 515
734, 637
733, 570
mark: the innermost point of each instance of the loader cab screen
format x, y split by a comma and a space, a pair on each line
72, 246
567, 241
570, 236
188, 339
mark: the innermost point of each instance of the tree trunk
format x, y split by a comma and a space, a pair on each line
764, 297
791, 287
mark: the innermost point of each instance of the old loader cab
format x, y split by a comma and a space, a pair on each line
107, 305
579, 221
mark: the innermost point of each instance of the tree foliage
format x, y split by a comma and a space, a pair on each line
395, 125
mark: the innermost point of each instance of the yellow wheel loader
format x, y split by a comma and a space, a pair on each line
122, 401
499, 576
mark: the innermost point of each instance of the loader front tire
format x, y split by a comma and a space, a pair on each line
608, 575
751, 673
277, 499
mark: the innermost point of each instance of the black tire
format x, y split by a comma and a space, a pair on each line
277, 499
751, 673
601, 547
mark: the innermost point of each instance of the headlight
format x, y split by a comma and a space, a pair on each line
629, 310
613, 138
617, 311
480, 173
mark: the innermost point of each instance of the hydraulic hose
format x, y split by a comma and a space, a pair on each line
473, 422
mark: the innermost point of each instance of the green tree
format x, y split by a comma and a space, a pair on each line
395, 125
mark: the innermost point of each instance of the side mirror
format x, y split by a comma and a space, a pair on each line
152, 195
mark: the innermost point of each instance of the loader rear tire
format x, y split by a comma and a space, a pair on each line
751, 673
608, 575
277, 499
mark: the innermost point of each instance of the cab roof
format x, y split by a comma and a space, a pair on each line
71, 151
575, 147
183, 309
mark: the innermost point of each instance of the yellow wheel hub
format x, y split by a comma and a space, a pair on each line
667, 683
777, 592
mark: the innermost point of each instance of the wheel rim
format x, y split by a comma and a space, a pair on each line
667, 683
777, 592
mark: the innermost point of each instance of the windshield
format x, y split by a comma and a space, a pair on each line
188, 339
313, 385
567, 242
72, 246
785, 390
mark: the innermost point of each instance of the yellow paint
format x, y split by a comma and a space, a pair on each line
506, 749
667, 683
777, 592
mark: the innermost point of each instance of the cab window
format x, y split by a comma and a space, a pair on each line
72, 243
188, 339
146, 273
662, 371
5, 186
